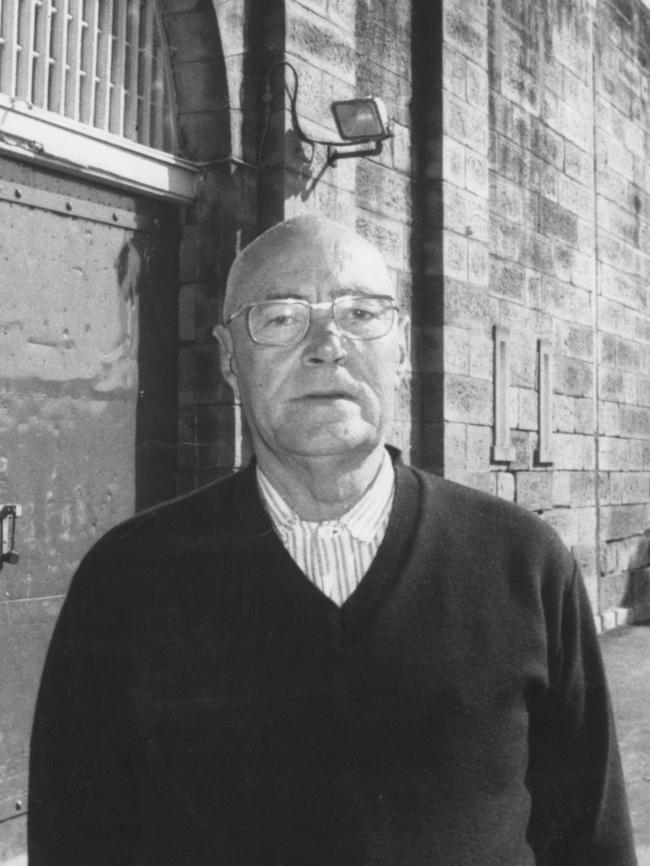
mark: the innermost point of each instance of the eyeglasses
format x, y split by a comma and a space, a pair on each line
285, 322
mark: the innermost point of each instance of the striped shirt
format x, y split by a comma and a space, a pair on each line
335, 554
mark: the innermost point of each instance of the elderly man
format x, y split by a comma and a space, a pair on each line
329, 658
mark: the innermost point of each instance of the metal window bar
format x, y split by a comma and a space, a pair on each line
116, 121
104, 66
88, 82
42, 59
146, 69
9, 34
59, 51
132, 70
25, 49
103, 63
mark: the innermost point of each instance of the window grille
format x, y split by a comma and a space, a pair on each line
102, 63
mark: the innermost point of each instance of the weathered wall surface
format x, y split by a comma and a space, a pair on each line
567, 86
77, 277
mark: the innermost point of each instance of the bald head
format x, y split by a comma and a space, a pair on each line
314, 247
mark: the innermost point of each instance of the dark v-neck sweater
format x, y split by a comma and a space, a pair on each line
204, 703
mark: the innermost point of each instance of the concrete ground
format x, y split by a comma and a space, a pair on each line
627, 658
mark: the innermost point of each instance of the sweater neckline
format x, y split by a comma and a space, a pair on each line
385, 570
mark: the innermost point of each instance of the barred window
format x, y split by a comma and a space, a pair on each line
102, 63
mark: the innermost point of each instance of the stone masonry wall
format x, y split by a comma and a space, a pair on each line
622, 64
566, 235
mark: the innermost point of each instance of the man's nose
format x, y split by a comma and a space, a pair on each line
324, 343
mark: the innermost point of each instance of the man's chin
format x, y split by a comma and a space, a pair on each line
332, 442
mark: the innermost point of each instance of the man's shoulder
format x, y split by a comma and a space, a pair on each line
483, 520
216, 510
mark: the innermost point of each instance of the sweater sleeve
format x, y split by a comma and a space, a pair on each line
81, 795
579, 807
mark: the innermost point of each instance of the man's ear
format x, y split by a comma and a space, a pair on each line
404, 325
227, 360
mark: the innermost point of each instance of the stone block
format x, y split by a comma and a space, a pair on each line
505, 486
576, 125
608, 415
506, 239
584, 415
478, 264
561, 491
454, 255
575, 197
572, 377
383, 191
537, 252
582, 488
312, 38
557, 297
456, 350
454, 71
455, 445
527, 409
546, 144
464, 304
578, 164
562, 261
453, 163
564, 413
478, 442
523, 443
572, 451
465, 123
476, 174
480, 355
468, 400
383, 32
523, 362
621, 521
559, 222
506, 198
583, 273
465, 34
534, 490
477, 85
635, 421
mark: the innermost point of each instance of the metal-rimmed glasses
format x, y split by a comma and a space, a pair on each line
285, 322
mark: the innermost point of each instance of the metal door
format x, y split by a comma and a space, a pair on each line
88, 417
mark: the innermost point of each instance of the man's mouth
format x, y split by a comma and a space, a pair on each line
328, 395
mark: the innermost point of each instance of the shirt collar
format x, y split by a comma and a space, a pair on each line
362, 521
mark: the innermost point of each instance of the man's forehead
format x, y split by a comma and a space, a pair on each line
305, 255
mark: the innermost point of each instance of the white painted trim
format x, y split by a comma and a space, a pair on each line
35, 135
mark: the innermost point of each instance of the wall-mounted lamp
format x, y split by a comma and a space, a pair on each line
362, 123
8, 515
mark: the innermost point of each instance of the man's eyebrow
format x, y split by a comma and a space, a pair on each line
284, 296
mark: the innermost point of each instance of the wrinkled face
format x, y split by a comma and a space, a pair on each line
328, 394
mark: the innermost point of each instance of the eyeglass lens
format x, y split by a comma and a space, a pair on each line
281, 323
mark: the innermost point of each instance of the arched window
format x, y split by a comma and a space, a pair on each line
88, 83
